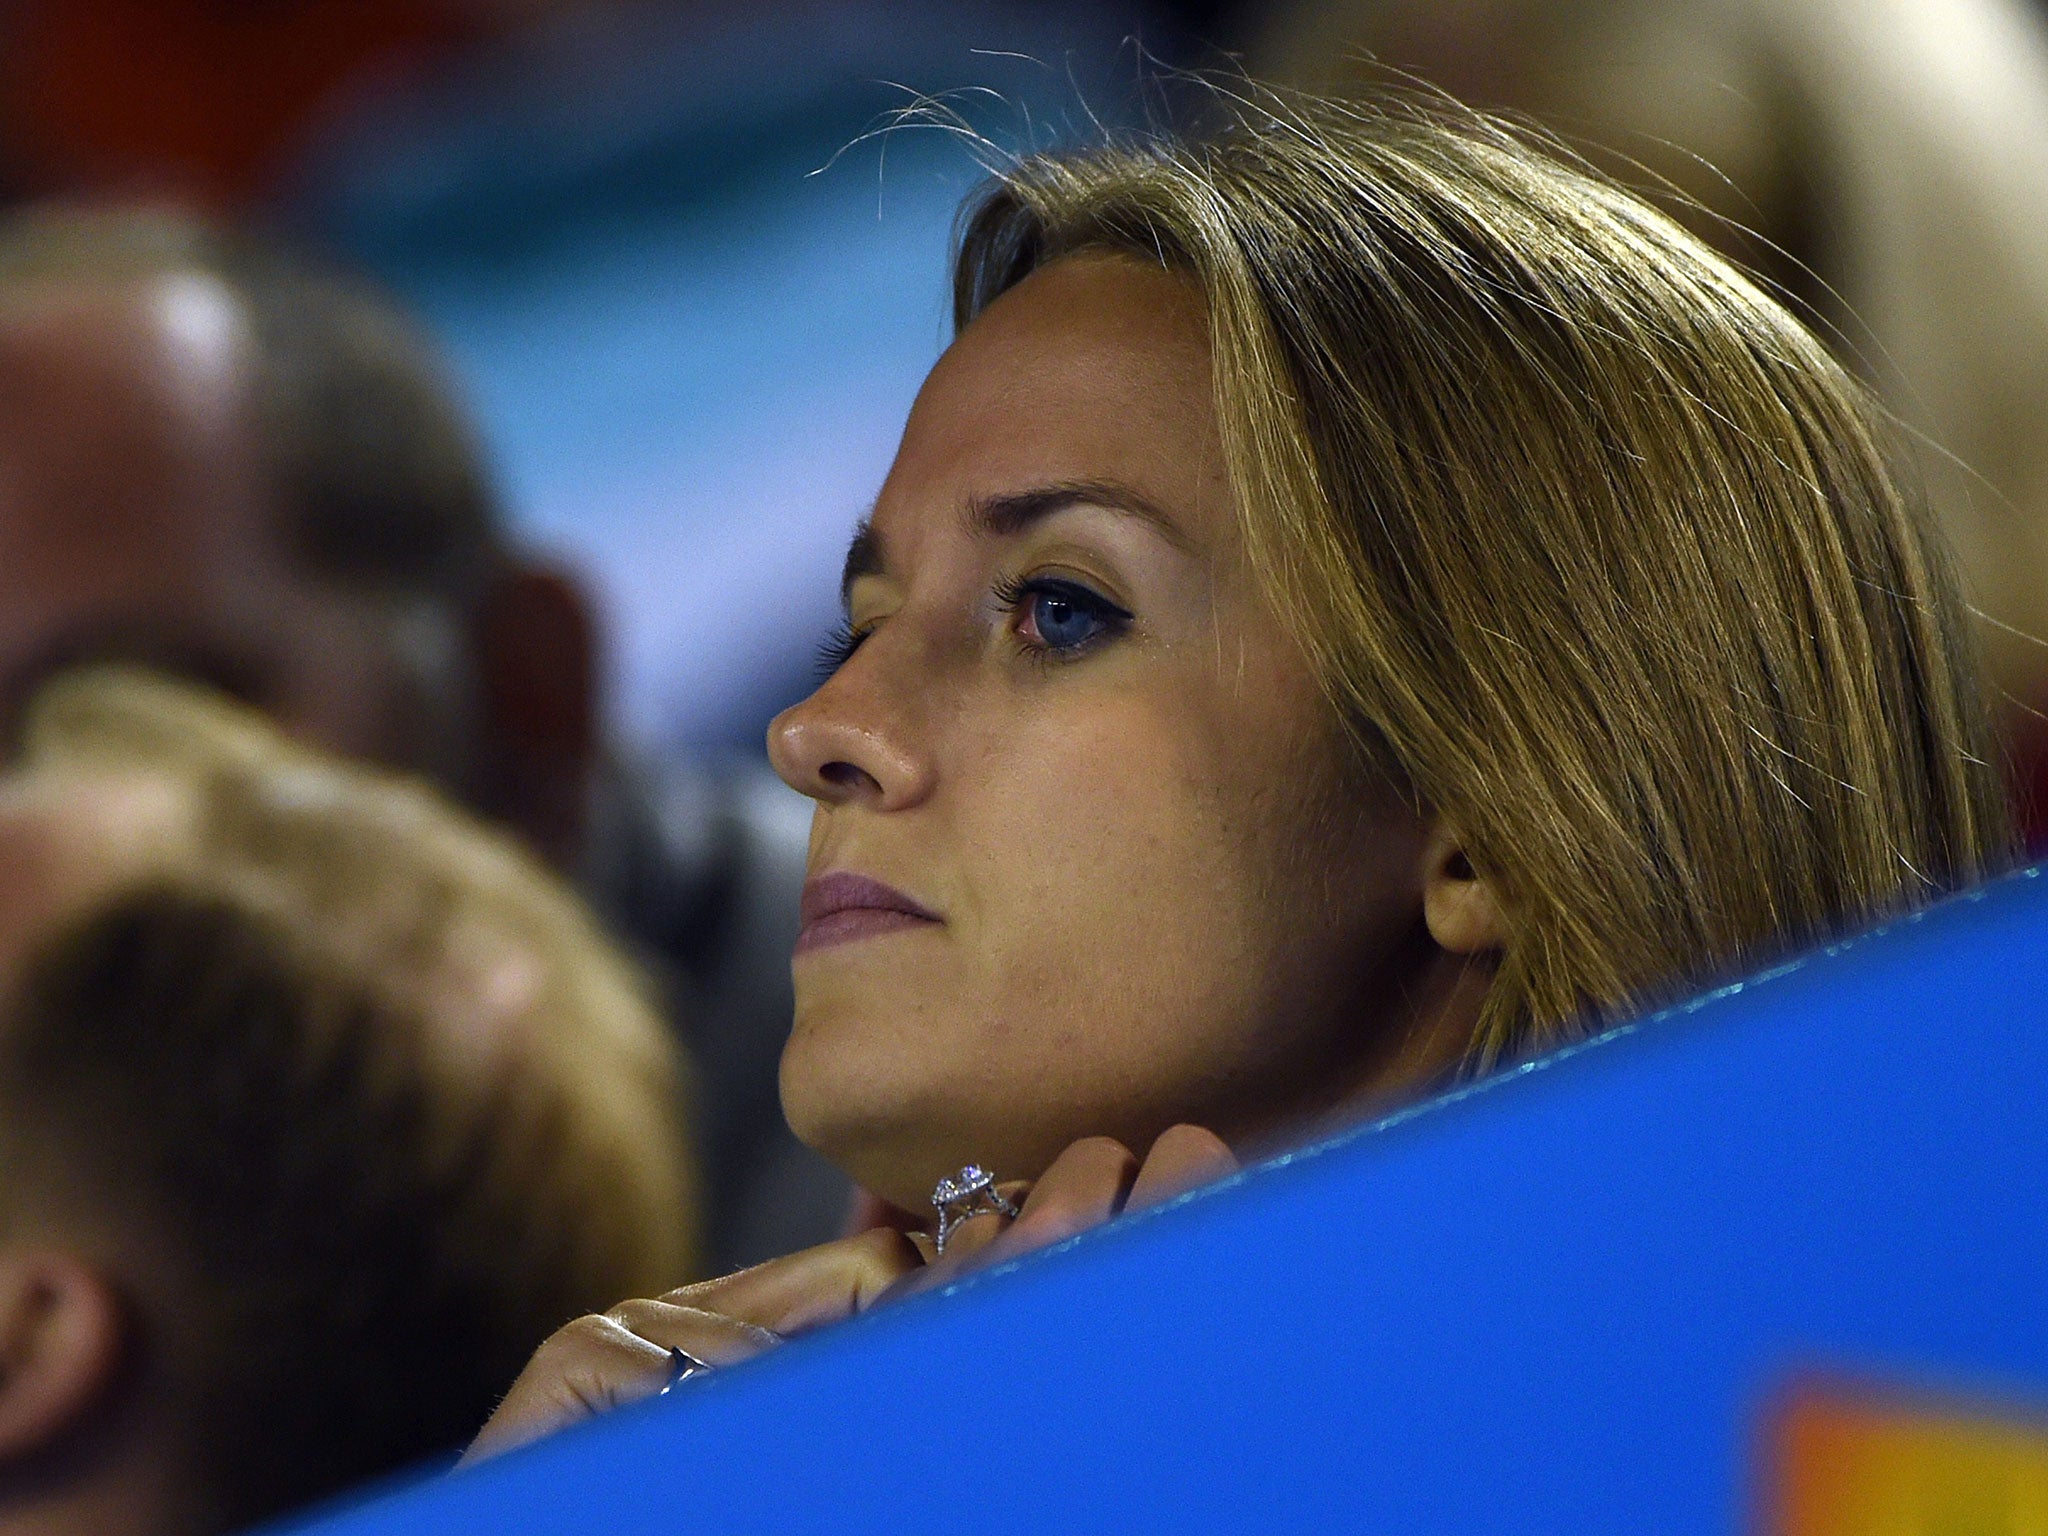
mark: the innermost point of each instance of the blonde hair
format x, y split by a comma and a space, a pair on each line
1594, 546
379, 1067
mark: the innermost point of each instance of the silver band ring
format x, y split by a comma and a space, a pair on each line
682, 1365
959, 1196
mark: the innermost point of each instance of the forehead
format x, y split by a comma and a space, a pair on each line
127, 467
1095, 368
122, 414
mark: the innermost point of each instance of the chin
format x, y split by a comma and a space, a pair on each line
896, 1112
856, 1090
842, 1106
895, 1140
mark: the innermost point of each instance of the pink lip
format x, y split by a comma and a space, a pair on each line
837, 909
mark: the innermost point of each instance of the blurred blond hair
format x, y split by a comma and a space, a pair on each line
356, 1045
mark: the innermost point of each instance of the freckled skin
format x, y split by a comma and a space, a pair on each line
1164, 896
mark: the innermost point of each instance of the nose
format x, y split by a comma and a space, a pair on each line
856, 740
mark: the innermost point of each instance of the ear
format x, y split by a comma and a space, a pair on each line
62, 1331
535, 644
1459, 905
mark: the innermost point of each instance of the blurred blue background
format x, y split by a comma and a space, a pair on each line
692, 272
687, 265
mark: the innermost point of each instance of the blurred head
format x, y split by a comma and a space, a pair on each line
221, 459
1358, 600
320, 1107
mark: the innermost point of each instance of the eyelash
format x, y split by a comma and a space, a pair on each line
837, 649
1011, 595
1016, 592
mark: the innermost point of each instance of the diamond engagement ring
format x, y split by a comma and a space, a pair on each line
958, 1196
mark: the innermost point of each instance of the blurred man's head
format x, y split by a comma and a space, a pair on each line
223, 460
320, 1107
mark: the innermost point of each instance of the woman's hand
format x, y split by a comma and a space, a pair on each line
608, 1359
1088, 1184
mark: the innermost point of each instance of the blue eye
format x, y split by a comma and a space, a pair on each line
1062, 618
1061, 622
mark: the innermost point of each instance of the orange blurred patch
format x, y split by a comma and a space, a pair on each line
1845, 1462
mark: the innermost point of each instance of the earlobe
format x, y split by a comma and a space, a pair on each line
62, 1332
1459, 905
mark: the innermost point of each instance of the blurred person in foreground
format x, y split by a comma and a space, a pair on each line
220, 460
319, 1106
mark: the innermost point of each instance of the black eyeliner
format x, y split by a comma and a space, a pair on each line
1014, 593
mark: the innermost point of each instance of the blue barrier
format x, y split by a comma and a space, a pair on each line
1558, 1301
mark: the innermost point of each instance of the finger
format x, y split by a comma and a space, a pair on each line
969, 1235
807, 1290
865, 1211
964, 1239
1085, 1186
1183, 1158
606, 1360
711, 1337
966, 1244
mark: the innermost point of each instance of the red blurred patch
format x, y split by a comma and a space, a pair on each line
201, 99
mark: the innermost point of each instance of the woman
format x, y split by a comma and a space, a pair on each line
1358, 602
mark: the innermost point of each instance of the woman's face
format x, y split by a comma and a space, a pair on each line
1130, 879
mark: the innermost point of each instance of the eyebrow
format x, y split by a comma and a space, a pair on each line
863, 558
1010, 514
1013, 512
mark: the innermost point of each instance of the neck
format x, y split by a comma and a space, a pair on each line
1436, 1043
1419, 1046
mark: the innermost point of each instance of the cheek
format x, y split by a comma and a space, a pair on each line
1115, 837
1181, 897
1114, 903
